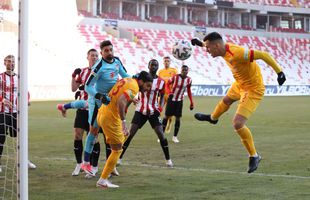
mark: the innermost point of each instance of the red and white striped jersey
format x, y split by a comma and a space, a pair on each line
84, 76
8, 91
179, 86
148, 101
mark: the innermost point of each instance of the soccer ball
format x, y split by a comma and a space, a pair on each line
182, 50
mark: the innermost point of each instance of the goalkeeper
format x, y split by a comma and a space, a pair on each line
248, 87
103, 77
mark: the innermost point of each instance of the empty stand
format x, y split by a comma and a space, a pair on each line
292, 54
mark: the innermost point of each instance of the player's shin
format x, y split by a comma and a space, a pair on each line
78, 150
95, 155
165, 147
220, 108
110, 163
79, 104
247, 140
177, 127
89, 145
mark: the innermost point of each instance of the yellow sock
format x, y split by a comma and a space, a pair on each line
247, 140
110, 163
220, 108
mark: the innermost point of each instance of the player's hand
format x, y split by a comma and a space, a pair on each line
7, 103
78, 79
104, 98
124, 128
191, 107
135, 101
76, 72
196, 42
281, 78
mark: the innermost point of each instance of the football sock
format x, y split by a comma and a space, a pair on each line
176, 127
165, 147
78, 150
220, 108
67, 106
110, 163
247, 140
89, 145
95, 155
78, 104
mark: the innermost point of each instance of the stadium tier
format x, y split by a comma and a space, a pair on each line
286, 3
291, 53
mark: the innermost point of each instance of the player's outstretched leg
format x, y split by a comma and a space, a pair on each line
204, 117
61, 108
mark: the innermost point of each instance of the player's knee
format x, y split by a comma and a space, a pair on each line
237, 124
228, 101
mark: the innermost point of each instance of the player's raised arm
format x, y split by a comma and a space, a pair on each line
265, 56
76, 79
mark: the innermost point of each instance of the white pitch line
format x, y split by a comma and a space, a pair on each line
192, 169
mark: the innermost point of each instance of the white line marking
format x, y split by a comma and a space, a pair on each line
192, 169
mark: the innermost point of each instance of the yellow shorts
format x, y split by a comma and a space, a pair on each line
249, 98
112, 128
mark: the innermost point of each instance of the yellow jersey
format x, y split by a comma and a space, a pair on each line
167, 73
127, 86
243, 66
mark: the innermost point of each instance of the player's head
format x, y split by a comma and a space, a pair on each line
92, 56
153, 66
167, 61
215, 44
107, 52
184, 70
145, 81
9, 62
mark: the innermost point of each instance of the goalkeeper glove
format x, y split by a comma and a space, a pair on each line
76, 72
281, 78
104, 98
197, 42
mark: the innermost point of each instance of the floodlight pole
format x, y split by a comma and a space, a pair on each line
22, 150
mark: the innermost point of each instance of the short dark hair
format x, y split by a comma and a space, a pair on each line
91, 50
145, 76
166, 57
153, 62
184, 66
105, 43
213, 37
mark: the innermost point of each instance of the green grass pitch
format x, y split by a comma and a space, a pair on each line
210, 162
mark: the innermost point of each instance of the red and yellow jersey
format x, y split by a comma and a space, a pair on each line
127, 86
243, 66
167, 73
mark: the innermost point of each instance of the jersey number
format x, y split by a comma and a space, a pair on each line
119, 85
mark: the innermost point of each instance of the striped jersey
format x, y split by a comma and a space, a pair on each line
8, 91
148, 100
179, 85
84, 76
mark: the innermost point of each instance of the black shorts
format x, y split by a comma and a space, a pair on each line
140, 119
174, 108
8, 124
81, 120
